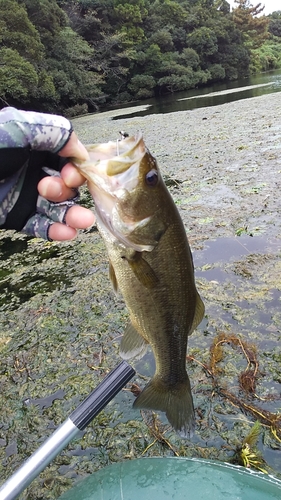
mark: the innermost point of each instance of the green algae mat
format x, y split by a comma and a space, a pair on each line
61, 323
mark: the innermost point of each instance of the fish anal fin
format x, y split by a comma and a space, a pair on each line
133, 345
176, 401
112, 277
143, 271
199, 313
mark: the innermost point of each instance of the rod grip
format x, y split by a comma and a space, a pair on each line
100, 397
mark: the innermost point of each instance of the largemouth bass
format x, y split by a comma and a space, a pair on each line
151, 264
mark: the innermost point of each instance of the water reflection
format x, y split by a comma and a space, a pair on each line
224, 250
212, 95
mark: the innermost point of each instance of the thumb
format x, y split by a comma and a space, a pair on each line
74, 148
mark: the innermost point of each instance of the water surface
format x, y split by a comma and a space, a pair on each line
211, 95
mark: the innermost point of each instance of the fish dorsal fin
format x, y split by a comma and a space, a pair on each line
112, 277
199, 313
142, 270
132, 344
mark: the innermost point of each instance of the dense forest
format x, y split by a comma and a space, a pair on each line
74, 56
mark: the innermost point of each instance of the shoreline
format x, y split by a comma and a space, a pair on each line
61, 322
220, 155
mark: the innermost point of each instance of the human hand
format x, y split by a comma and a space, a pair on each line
59, 189
34, 148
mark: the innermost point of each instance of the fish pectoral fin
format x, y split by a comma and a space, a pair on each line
199, 313
175, 401
143, 271
133, 345
112, 277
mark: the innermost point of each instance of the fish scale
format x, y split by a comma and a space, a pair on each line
151, 264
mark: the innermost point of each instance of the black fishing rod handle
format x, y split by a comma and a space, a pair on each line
100, 397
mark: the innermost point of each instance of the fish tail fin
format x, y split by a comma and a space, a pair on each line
176, 401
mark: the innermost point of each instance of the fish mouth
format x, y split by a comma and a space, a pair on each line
113, 166
116, 157
113, 172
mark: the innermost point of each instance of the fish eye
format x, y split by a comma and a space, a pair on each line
151, 178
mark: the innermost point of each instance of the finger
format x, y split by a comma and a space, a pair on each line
79, 217
41, 226
71, 176
54, 189
74, 148
61, 232
76, 217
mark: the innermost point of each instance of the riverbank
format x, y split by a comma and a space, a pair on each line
61, 323
221, 154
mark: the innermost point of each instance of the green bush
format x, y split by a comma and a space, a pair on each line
266, 57
142, 86
78, 109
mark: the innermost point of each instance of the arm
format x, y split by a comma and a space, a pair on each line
40, 131
30, 142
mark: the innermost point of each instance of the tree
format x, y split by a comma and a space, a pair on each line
47, 17
142, 86
203, 40
18, 33
275, 23
149, 60
163, 39
268, 55
166, 13
75, 53
70, 67
129, 18
18, 77
176, 83
253, 28
22, 77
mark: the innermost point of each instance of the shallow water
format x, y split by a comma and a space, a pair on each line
47, 383
61, 323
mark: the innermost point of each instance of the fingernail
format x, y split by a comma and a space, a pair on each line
50, 188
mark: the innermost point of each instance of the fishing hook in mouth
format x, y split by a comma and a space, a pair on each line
123, 136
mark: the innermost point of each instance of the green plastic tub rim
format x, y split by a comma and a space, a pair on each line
175, 478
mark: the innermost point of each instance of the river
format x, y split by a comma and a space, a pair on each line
61, 323
212, 95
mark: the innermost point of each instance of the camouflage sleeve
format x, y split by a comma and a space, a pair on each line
9, 192
46, 214
40, 131
30, 141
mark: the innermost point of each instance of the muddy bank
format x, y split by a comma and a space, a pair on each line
226, 158
61, 323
